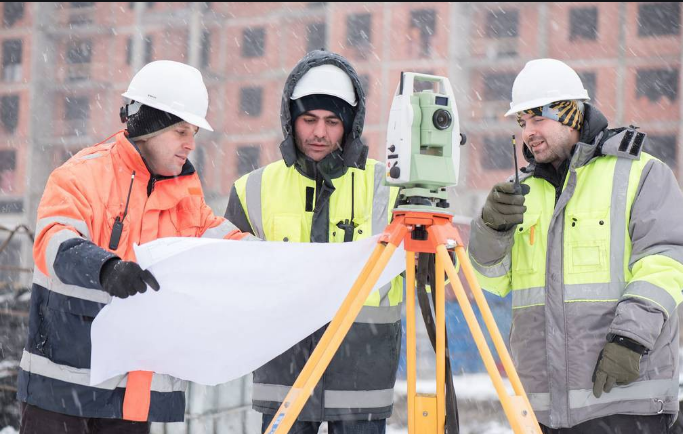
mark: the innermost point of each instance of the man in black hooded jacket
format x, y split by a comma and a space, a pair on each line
325, 190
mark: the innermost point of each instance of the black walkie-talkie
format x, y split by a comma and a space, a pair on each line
117, 229
518, 187
116, 234
348, 226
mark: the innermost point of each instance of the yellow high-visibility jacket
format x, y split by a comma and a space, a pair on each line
606, 256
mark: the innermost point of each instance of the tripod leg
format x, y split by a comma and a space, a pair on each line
411, 365
330, 341
517, 409
427, 415
440, 311
488, 319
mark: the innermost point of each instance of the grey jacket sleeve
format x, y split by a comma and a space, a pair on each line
489, 249
656, 261
235, 212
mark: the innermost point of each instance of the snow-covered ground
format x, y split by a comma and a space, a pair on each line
477, 387
478, 405
465, 428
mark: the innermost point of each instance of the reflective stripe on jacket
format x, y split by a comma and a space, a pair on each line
80, 204
358, 384
606, 258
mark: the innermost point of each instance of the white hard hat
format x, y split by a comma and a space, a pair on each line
326, 80
543, 81
172, 87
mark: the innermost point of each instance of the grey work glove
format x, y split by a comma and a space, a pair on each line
124, 278
504, 207
617, 364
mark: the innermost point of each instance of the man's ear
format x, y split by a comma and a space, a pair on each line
576, 132
141, 144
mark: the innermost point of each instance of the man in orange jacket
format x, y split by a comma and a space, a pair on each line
135, 189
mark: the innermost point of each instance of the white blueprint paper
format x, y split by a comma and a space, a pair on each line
225, 307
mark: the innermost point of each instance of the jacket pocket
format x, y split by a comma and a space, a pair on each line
527, 246
661, 361
286, 227
66, 337
587, 237
360, 231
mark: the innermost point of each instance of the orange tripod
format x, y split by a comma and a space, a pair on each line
421, 232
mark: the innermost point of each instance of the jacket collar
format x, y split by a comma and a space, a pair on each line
594, 125
330, 167
129, 154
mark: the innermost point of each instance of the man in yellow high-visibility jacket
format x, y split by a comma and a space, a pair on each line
326, 190
591, 246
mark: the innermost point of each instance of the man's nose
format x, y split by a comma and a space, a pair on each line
320, 129
189, 144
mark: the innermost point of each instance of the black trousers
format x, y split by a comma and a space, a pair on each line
618, 424
35, 420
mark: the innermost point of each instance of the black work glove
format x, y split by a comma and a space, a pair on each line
617, 364
504, 207
123, 278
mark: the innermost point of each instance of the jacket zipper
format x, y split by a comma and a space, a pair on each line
561, 282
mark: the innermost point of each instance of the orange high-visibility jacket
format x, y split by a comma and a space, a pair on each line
82, 201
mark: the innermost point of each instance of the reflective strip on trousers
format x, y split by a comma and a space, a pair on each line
333, 398
43, 366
